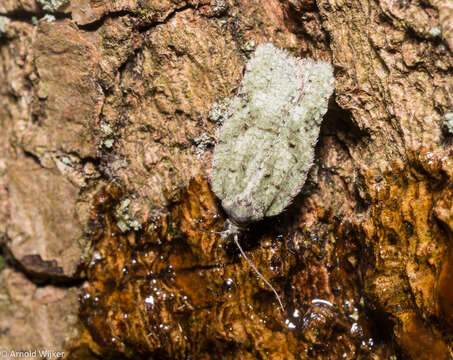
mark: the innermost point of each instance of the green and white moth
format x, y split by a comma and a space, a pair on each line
266, 144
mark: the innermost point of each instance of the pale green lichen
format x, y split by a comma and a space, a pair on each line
107, 134
65, 160
266, 145
249, 46
108, 143
52, 5
3, 22
48, 18
107, 129
220, 110
448, 122
125, 222
220, 8
435, 31
203, 142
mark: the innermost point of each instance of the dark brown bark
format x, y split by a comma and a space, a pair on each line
105, 154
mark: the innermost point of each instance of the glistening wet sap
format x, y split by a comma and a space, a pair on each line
172, 289
146, 289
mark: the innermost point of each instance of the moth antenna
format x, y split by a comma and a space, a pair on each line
258, 273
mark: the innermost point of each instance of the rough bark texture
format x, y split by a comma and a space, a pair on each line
106, 148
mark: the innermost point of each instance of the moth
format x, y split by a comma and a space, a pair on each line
265, 146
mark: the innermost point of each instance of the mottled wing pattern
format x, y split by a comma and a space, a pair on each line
265, 148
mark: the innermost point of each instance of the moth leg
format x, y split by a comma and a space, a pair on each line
249, 262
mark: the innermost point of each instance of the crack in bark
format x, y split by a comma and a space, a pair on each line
21, 15
168, 18
27, 16
37, 278
95, 25
33, 157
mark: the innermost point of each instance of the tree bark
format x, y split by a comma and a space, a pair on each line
106, 151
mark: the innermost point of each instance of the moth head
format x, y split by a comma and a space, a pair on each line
232, 229
239, 211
